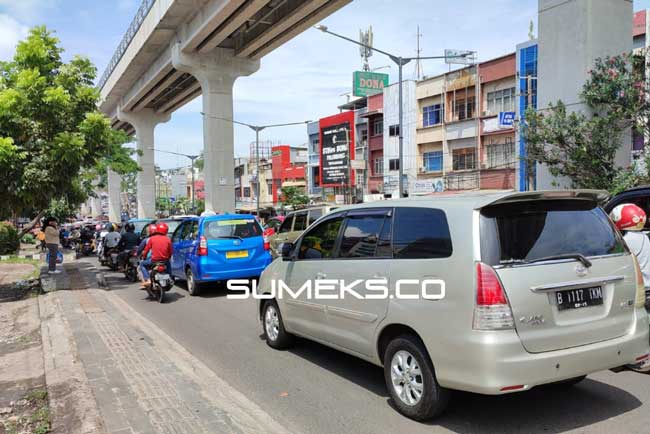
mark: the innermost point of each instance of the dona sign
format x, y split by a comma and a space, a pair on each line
368, 83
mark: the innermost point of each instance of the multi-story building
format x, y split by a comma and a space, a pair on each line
313, 163
375, 144
288, 168
527, 97
391, 137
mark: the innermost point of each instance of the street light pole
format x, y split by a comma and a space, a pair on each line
401, 61
257, 129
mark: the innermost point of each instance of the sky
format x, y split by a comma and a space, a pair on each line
305, 79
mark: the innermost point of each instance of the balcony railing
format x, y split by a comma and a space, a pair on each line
140, 15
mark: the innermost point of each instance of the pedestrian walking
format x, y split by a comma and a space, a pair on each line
52, 242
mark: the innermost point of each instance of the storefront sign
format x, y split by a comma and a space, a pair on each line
426, 186
506, 119
366, 83
335, 155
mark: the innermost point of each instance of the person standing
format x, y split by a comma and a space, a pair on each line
52, 242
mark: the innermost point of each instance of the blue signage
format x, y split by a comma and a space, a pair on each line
506, 119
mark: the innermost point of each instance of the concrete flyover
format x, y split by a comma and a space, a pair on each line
174, 51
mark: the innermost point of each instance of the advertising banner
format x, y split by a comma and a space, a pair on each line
427, 186
337, 150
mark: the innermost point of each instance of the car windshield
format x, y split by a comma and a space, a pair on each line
140, 225
235, 228
522, 232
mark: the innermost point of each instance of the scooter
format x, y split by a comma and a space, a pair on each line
131, 266
161, 281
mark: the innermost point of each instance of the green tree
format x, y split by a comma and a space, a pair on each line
292, 196
583, 147
53, 140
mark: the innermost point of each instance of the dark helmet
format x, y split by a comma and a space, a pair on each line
129, 227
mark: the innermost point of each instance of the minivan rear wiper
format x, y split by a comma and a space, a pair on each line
231, 237
586, 262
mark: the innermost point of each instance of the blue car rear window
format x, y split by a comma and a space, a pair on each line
233, 228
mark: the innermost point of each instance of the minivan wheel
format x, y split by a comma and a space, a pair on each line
274, 333
411, 380
192, 286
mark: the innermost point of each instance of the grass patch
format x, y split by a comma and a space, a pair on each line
16, 260
34, 415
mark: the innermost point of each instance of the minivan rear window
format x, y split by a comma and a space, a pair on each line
235, 228
517, 232
421, 233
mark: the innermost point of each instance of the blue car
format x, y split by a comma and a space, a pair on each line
218, 248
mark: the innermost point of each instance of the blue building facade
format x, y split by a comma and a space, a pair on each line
527, 55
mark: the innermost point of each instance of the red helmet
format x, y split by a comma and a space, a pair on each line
162, 228
628, 217
152, 229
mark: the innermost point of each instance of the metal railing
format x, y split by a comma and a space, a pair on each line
140, 15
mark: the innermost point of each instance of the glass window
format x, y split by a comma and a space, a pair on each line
378, 168
319, 242
361, 236
300, 222
377, 127
464, 159
524, 231
393, 130
432, 161
186, 231
231, 228
247, 192
421, 233
501, 101
286, 224
364, 134
393, 164
432, 115
314, 214
273, 224
384, 246
176, 237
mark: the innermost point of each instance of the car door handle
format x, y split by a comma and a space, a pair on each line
320, 275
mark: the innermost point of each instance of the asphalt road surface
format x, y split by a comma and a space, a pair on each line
313, 389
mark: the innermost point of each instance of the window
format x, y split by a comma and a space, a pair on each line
393, 130
238, 192
433, 161
432, 115
377, 127
464, 159
247, 192
192, 230
314, 214
361, 235
525, 231
273, 224
421, 233
501, 101
364, 135
231, 228
501, 155
464, 109
300, 222
176, 237
269, 187
378, 166
319, 242
286, 225
393, 164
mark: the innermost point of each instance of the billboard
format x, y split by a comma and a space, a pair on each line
337, 149
461, 57
366, 83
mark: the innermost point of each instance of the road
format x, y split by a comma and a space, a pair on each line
312, 389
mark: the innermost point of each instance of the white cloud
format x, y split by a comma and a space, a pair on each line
27, 10
11, 31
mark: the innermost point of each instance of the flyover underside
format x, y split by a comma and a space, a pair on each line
251, 30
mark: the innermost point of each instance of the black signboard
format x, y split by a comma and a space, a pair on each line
335, 155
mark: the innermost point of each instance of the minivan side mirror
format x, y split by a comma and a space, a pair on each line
285, 251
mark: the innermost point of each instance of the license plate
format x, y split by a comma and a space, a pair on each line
577, 298
162, 277
237, 254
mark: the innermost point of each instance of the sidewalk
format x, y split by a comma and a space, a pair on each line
129, 377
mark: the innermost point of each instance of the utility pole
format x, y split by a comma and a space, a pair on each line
419, 71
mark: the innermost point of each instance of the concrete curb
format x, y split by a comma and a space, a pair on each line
73, 406
248, 415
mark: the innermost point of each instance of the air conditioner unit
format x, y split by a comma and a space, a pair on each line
423, 169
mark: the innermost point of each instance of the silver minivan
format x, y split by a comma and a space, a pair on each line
522, 289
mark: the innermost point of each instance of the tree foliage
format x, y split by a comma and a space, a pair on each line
292, 196
582, 146
53, 140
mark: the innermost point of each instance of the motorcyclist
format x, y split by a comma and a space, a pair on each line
128, 241
160, 247
111, 240
630, 220
151, 230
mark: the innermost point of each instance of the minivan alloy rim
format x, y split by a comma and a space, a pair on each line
406, 377
272, 323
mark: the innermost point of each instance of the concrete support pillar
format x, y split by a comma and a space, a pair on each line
216, 72
114, 205
95, 206
572, 35
144, 122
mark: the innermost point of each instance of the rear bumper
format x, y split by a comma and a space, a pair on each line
499, 360
238, 273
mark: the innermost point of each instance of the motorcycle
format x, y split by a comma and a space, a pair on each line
131, 266
161, 281
84, 248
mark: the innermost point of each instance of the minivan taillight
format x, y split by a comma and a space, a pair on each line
203, 247
639, 300
492, 311
267, 244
